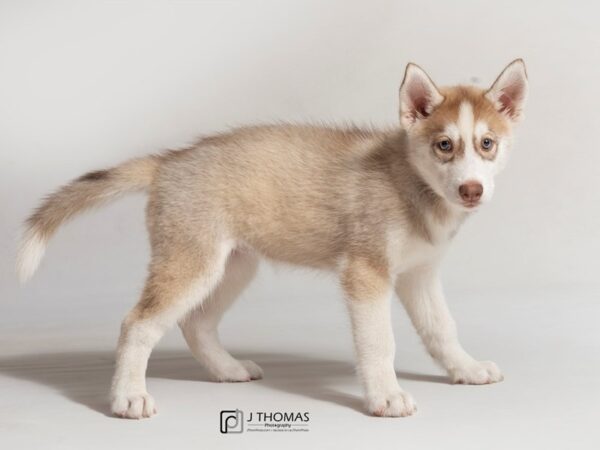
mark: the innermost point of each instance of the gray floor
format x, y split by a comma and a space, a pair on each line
55, 373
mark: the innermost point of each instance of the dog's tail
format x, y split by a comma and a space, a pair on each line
89, 190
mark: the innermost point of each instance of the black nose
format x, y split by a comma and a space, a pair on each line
470, 191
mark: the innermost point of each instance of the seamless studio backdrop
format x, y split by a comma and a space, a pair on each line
86, 85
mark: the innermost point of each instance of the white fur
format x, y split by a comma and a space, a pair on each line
452, 131
480, 129
129, 397
421, 293
466, 122
471, 167
31, 252
446, 178
200, 326
375, 348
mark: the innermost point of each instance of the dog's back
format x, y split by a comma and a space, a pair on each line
290, 192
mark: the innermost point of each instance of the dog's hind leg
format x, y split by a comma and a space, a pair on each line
183, 272
199, 327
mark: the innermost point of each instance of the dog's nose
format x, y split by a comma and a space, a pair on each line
470, 191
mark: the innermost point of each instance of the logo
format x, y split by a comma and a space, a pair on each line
232, 421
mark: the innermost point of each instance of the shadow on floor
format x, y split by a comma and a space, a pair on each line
84, 377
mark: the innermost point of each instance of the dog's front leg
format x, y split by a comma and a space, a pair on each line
421, 293
368, 291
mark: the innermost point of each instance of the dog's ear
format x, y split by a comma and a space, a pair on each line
418, 96
509, 91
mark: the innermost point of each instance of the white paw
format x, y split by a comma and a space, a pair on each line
394, 404
133, 406
478, 372
239, 371
256, 373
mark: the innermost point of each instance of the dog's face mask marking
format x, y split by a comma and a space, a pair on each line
461, 136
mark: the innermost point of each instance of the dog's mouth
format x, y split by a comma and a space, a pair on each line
471, 205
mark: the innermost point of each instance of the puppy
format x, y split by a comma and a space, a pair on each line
378, 207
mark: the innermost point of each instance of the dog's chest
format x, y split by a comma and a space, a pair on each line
407, 250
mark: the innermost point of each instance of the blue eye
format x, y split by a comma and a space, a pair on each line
445, 145
487, 143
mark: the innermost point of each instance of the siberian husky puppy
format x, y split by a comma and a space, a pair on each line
378, 207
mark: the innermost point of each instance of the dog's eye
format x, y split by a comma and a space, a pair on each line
487, 143
445, 145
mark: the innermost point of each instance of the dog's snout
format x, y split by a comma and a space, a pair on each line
470, 191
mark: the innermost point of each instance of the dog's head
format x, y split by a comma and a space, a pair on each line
460, 136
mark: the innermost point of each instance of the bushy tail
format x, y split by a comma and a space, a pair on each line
89, 190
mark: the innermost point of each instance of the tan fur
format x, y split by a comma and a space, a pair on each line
482, 107
364, 279
304, 195
300, 194
447, 112
90, 190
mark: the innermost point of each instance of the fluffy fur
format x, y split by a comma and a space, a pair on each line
379, 207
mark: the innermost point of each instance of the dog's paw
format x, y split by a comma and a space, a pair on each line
255, 371
394, 404
478, 372
241, 371
133, 406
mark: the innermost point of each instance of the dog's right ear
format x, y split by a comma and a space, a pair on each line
418, 96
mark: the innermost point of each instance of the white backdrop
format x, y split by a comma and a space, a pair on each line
84, 85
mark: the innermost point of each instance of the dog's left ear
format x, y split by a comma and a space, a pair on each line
509, 91
418, 96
